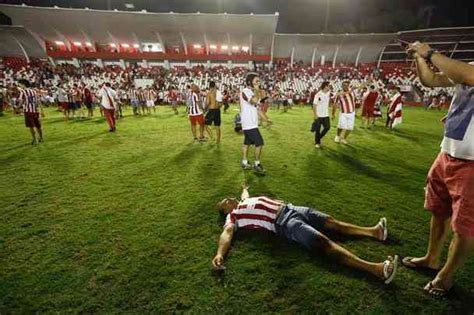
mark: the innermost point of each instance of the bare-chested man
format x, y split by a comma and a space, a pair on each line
213, 115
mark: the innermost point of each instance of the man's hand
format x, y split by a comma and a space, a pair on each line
421, 49
218, 262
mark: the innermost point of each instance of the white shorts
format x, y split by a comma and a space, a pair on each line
346, 121
150, 103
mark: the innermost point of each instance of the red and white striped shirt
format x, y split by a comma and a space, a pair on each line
255, 213
194, 109
347, 102
150, 95
133, 94
30, 100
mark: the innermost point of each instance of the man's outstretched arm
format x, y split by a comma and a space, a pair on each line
224, 244
245, 192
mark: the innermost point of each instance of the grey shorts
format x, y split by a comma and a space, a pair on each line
301, 224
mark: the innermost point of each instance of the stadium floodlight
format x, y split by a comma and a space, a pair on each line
112, 45
235, 47
224, 47
136, 46
78, 44
59, 43
125, 45
197, 46
213, 46
89, 44
245, 48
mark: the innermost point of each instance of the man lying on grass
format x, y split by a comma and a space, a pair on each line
302, 225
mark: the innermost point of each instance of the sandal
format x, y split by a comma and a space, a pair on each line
436, 292
390, 274
383, 224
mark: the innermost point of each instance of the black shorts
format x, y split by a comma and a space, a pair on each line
32, 120
253, 136
88, 105
213, 116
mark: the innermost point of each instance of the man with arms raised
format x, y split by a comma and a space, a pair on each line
302, 225
450, 184
250, 99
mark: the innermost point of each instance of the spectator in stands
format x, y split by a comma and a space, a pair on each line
449, 191
435, 104
302, 225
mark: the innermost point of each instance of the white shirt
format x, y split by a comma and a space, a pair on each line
218, 96
460, 149
61, 95
106, 95
321, 103
248, 112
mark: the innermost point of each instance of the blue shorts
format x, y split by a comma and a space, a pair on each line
301, 224
135, 103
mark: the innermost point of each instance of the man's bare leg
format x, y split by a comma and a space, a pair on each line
209, 132
459, 250
346, 134
218, 135
33, 135
351, 229
245, 150
339, 132
345, 257
258, 152
40, 134
193, 130
438, 232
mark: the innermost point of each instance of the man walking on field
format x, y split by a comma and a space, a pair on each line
109, 103
345, 100
213, 115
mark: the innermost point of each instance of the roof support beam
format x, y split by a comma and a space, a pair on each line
22, 49
250, 45
313, 56
358, 56
271, 48
380, 57
335, 57
158, 36
184, 43
292, 56
454, 49
206, 44
228, 45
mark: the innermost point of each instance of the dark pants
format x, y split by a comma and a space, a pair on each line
318, 134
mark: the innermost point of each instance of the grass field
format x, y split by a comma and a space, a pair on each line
97, 222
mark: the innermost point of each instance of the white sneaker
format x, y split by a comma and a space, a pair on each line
317, 146
344, 141
337, 139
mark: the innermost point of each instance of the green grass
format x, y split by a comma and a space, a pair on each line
98, 222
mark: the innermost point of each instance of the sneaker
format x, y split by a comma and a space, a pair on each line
202, 139
317, 146
245, 166
344, 141
337, 139
259, 169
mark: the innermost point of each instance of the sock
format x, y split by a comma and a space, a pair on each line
245, 162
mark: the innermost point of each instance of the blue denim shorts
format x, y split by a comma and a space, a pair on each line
301, 224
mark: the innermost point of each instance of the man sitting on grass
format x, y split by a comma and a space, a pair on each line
302, 225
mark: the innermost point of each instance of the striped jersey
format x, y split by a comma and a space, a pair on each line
254, 213
150, 95
346, 101
30, 100
194, 109
133, 94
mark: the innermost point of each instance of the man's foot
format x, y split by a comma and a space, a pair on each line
436, 289
317, 146
196, 139
343, 141
337, 139
259, 168
41, 140
202, 139
420, 263
382, 229
390, 267
33, 141
111, 130
246, 166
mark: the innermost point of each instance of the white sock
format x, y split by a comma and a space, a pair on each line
245, 162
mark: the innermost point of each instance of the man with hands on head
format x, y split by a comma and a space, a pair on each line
450, 183
302, 225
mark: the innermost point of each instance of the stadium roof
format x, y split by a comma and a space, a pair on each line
17, 41
170, 29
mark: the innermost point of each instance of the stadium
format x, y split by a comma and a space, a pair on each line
216, 156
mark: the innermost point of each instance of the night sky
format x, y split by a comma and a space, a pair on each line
307, 16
